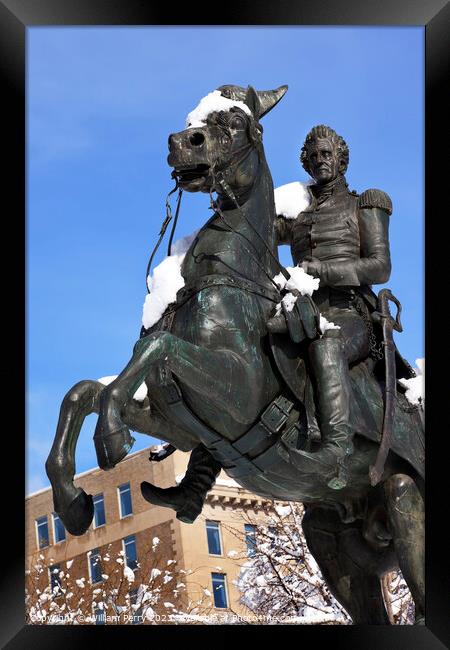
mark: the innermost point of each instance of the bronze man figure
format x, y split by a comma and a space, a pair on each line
342, 239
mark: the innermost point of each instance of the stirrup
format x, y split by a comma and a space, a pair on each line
339, 481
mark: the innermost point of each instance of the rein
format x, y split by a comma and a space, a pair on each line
230, 194
162, 232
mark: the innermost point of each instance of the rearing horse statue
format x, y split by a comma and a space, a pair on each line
217, 381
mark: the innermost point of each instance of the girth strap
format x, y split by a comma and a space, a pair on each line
226, 280
253, 452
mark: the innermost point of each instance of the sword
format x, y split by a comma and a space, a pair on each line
388, 324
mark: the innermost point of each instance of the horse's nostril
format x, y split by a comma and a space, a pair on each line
197, 139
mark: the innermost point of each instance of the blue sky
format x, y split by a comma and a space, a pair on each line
101, 103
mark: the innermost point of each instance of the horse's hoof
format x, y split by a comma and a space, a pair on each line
420, 620
79, 513
112, 447
172, 497
187, 516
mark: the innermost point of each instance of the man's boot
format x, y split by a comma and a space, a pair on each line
188, 497
332, 394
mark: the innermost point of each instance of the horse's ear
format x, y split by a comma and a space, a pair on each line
252, 101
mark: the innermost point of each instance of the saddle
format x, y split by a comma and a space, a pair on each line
367, 406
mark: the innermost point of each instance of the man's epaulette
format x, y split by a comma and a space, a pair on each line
375, 199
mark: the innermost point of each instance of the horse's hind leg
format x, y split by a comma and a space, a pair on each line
406, 514
348, 565
73, 505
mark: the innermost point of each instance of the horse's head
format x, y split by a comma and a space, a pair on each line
223, 136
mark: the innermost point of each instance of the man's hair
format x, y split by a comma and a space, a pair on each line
322, 131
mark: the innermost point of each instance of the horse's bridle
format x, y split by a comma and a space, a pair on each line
217, 178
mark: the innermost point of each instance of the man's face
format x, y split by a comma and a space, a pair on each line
323, 160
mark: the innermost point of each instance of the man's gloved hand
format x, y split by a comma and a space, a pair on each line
312, 266
301, 321
309, 316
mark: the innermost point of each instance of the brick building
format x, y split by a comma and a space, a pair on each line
213, 548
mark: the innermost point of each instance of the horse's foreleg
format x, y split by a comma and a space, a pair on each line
196, 366
73, 505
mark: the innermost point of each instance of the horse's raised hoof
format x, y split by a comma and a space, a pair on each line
79, 513
112, 447
172, 497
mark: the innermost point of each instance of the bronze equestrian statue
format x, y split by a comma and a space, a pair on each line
288, 412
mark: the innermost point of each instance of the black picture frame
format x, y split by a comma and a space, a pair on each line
15, 17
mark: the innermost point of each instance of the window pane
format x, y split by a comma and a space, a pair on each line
55, 580
99, 511
95, 566
130, 551
213, 534
219, 590
250, 539
60, 531
42, 529
126, 507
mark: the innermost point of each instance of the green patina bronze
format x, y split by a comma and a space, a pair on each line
289, 413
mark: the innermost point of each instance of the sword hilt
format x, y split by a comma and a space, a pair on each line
384, 296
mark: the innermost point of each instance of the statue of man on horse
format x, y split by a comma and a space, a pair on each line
342, 238
288, 393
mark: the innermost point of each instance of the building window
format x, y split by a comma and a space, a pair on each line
59, 532
99, 511
213, 535
100, 616
129, 547
95, 566
55, 580
219, 590
136, 611
250, 540
126, 507
42, 531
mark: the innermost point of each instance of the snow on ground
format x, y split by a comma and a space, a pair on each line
165, 281
291, 199
415, 387
139, 395
210, 103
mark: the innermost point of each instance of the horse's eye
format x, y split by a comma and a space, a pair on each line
237, 122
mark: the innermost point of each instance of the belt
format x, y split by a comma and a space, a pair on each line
251, 453
334, 297
227, 280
